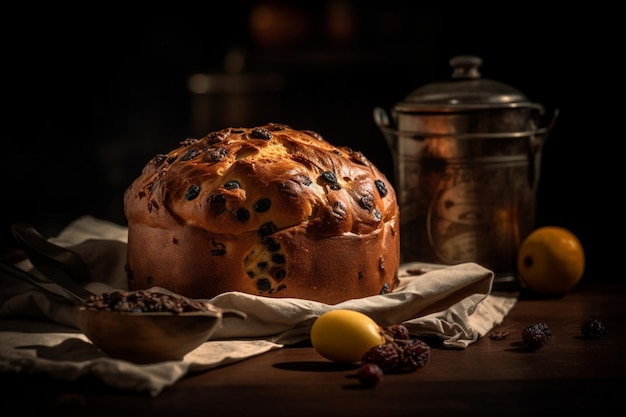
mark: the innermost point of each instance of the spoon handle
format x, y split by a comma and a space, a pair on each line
47, 257
52, 261
44, 284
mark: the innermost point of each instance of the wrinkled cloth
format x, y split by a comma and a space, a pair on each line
454, 304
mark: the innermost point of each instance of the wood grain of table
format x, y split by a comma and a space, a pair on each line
571, 375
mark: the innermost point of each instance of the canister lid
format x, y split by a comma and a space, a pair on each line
466, 90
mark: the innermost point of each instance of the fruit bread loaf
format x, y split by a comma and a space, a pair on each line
270, 211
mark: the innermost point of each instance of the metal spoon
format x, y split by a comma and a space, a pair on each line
73, 293
52, 260
59, 265
142, 337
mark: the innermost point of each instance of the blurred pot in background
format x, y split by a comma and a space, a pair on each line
466, 154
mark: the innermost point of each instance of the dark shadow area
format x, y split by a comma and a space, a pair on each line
88, 104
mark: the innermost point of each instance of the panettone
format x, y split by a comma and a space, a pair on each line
269, 211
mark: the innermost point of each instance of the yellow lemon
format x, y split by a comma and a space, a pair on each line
345, 335
550, 261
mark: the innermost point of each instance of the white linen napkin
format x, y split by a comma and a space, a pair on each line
37, 332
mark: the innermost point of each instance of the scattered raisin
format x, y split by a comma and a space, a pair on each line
267, 229
216, 154
215, 137
386, 356
278, 274
593, 329
189, 141
329, 176
339, 210
271, 244
366, 202
261, 133
217, 203
262, 205
534, 337
278, 258
218, 249
382, 188
192, 192
263, 285
401, 355
397, 332
242, 214
545, 329
370, 374
415, 354
159, 159
232, 184
190, 154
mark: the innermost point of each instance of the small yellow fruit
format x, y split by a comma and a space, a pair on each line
345, 335
550, 261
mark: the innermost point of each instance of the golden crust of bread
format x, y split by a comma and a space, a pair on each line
266, 210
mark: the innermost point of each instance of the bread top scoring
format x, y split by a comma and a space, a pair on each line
262, 179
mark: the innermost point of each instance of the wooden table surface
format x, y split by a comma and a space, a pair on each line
570, 375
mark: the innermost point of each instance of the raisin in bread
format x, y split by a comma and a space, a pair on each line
269, 211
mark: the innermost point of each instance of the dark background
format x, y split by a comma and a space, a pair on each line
89, 100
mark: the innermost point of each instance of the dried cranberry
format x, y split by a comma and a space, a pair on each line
370, 374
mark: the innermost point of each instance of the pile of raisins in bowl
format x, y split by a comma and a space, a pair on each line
143, 301
398, 355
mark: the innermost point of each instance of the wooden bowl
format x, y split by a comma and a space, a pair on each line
148, 337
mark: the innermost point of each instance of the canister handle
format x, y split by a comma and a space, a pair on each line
382, 120
380, 117
552, 121
535, 146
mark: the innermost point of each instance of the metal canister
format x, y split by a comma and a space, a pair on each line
467, 156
